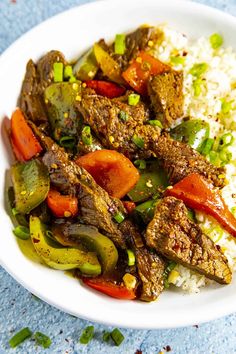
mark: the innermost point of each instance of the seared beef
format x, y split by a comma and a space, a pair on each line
180, 160
166, 93
95, 206
115, 132
172, 234
149, 265
37, 78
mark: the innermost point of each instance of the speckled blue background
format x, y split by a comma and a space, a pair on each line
18, 308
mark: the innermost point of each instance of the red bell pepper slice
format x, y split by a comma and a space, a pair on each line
62, 205
129, 206
109, 288
23, 138
140, 70
196, 192
107, 89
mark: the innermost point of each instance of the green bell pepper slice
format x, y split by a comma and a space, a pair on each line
151, 178
88, 236
31, 184
193, 132
61, 258
86, 67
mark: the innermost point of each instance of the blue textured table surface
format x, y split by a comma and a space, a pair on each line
18, 308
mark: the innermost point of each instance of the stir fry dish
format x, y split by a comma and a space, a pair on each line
115, 176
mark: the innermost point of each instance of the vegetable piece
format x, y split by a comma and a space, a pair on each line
177, 60
120, 45
68, 72
198, 69
216, 40
193, 132
119, 217
207, 146
86, 67
123, 116
117, 336
62, 205
86, 135
87, 335
21, 232
31, 185
226, 140
146, 210
196, 193
60, 101
42, 340
155, 123
150, 180
67, 142
61, 258
133, 99
226, 106
58, 72
129, 280
140, 70
139, 142
170, 266
105, 88
24, 142
129, 206
107, 64
88, 236
131, 257
106, 336
109, 288
111, 170
19, 337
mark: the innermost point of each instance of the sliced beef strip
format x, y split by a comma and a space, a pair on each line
166, 94
172, 234
102, 114
37, 78
180, 160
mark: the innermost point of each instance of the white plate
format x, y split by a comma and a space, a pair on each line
72, 32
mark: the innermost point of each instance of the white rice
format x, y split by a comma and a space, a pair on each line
220, 83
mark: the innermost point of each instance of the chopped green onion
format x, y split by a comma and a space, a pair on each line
123, 116
21, 232
133, 99
197, 87
119, 217
214, 158
171, 265
42, 340
68, 71
131, 257
177, 60
226, 140
120, 46
19, 337
117, 336
106, 336
87, 335
141, 164
139, 142
207, 146
155, 123
216, 40
191, 215
198, 69
225, 155
226, 106
50, 235
58, 72
86, 135
67, 141
72, 79
14, 211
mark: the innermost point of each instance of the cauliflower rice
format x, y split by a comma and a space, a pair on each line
218, 85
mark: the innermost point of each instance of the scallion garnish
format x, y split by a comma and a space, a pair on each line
197, 87
106, 336
226, 106
155, 123
119, 217
58, 72
42, 340
21, 232
87, 335
177, 60
14, 211
139, 142
120, 44
226, 140
207, 146
133, 99
117, 336
214, 158
123, 116
131, 257
198, 69
216, 40
171, 265
141, 164
67, 141
86, 135
68, 71
19, 337
225, 155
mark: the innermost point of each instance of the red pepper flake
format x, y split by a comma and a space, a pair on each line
167, 348
35, 240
